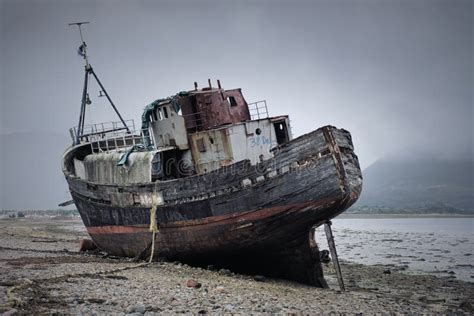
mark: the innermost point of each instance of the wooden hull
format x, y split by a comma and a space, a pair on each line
251, 217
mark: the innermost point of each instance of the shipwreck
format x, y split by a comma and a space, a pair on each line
210, 178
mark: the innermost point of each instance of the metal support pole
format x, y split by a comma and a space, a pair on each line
332, 249
80, 125
83, 120
108, 98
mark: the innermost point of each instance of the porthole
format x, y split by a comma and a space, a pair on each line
258, 131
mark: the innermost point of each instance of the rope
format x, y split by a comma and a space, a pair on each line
13, 301
153, 223
153, 229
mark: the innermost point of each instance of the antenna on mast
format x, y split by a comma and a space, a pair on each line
83, 48
85, 95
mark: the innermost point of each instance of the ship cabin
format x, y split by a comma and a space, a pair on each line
208, 128
193, 132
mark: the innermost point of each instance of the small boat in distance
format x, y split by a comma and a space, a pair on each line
221, 181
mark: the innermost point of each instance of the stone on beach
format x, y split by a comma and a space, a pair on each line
192, 283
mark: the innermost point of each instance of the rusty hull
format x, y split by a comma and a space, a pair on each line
250, 218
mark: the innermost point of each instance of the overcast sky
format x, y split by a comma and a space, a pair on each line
397, 74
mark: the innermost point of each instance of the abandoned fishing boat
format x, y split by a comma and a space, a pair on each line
217, 178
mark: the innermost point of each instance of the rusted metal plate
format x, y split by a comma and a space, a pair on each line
210, 108
211, 150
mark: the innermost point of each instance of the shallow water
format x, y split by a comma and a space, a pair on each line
440, 246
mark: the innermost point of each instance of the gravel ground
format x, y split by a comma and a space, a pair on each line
40, 266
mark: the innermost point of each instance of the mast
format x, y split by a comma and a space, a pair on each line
85, 96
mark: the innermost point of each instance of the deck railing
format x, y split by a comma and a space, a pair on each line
104, 137
99, 131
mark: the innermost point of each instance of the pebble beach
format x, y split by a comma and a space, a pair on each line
42, 272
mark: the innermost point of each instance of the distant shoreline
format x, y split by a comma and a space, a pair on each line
429, 215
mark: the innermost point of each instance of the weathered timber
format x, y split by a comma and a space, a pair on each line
215, 217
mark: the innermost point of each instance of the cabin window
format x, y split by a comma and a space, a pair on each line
258, 131
156, 164
200, 145
160, 114
165, 112
232, 101
281, 132
155, 118
136, 199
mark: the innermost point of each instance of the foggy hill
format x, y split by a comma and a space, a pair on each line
31, 176
422, 184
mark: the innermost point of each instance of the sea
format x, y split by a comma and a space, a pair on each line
440, 246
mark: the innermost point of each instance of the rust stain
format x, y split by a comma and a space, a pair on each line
240, 218
211, 149
212, 107
116, 229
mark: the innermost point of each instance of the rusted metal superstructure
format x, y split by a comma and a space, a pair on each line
223, 181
